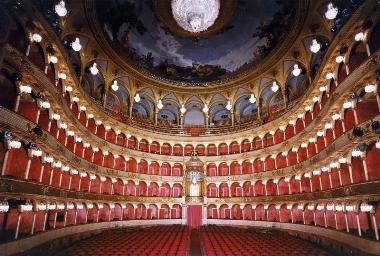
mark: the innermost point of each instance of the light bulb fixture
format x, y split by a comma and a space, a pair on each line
14, 144
377, 144
45, 105
74, 172
63, 126
336, 116
365, 207
275, 86
76, 45
328, 126
252, 99
347, 104
75, 99
329, 75
370, 88
324, 169
296, 70
115, 86
159, 104
52, 59
65, 168
183, 109
342, 160
359, 36
320, 133
315, 46
36, 38
68, 88
62, 76
356, 152
36, 152
322, 88
315, 99
331, 12
229, 106
60, 9
26, 207
339, 59
90, 116
25, 89
94, 69
56, 116
205, 108
48, 159
137, 97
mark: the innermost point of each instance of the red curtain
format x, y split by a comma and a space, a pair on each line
194, 216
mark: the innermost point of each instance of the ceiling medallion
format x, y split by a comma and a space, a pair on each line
195, 15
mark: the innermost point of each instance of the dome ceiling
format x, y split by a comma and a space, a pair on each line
242, 36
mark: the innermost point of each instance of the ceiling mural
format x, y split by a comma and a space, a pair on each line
136, 33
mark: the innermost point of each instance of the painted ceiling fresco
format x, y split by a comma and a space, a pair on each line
136, 33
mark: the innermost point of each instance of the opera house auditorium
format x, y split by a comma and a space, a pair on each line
189, 127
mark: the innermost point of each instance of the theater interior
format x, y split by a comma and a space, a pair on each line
189, 127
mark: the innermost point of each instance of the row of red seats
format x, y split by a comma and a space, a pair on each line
159, 240
220, 240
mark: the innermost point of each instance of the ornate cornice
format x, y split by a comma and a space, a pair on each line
333, 104
21, 127
11, 188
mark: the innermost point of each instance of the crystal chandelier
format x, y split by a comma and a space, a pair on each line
195, 15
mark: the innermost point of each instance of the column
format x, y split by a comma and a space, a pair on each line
33, 223
373, 215
365, 170
346, 221
17, 225
358, 223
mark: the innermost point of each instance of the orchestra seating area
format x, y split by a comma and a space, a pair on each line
152, 241
106, 150
175, 240
223, 240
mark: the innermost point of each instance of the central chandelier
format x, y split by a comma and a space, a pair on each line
195, 15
